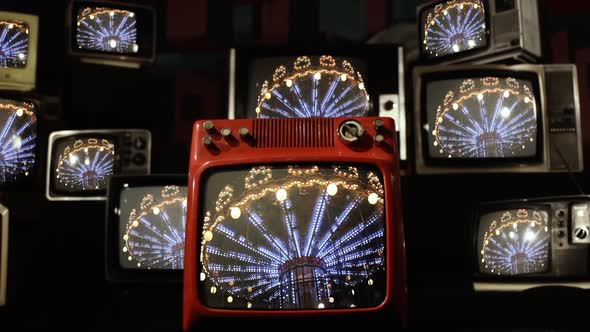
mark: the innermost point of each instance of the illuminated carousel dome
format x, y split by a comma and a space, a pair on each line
297, 239
455, 26
86, 165
516, 244
487, 118
107, 30
154, 235
325, 89
17, 139
14, 44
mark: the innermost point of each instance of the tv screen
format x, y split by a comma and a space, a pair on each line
106, 29
452, 27
14, 43
18, 138
292, 237
514, 242
83, 163
152, 227
482, 117
307, 86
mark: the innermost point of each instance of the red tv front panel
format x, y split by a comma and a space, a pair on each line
294, 218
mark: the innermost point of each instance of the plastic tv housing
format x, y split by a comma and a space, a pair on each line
365, 80
3, 252
479, 31
497, 118
145, 228
18, 51
315, 232
80, 162
530, 243
112, 33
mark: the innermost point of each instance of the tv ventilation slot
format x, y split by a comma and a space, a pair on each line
294, 133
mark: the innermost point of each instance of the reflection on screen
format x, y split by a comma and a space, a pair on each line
306, 86
83, 164
514, 242
14, 44
293, 237
453, 27
152, 227
18, 138
107, 30
488, 117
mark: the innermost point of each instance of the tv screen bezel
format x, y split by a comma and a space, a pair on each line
475, 72
129, 58
239, 78
114, 272
513, 205
388, 227
4, 229
424, 58
26, 182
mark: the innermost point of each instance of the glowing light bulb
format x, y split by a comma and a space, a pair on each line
92, 17
10, 26
202, 276
445, 12
289, 83
230, 299
20, 112
17, 142
461, 6
124, 249
138, 264
249, 305
235, 212
435, 143
506, 94
111, 14
529, 235
257, 110
505, 112
213, 290
87, 161
331, 300
125, 237
455, 106
208, 236
131, 14
480, 97
373, 198
514, 226
455, 48
129, 258
321, 306
267, 95
112, 43
362, 86
135, 223
317, 76
332, 189
135, 48
511, 235
527, 100
156, 211
476, 6
73, 159
471, 43
546, 229
343, 77
370, 282
21, 56
497, 232
281, 195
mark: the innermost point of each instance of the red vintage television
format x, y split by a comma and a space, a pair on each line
294, 218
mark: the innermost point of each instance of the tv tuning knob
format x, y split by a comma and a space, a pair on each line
581, 232
351, 130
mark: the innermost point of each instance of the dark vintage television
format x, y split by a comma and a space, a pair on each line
80, 162
3, 252
112, 33
145, 228
497, 118
528, 243
315, 232
18, 139
328, 81
479, 31
18, 51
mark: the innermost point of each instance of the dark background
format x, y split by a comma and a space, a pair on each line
56, 255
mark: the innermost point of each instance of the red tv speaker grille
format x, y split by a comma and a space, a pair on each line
294, 133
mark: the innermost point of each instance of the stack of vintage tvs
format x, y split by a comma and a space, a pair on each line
483, 105
18, 110
310, 227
